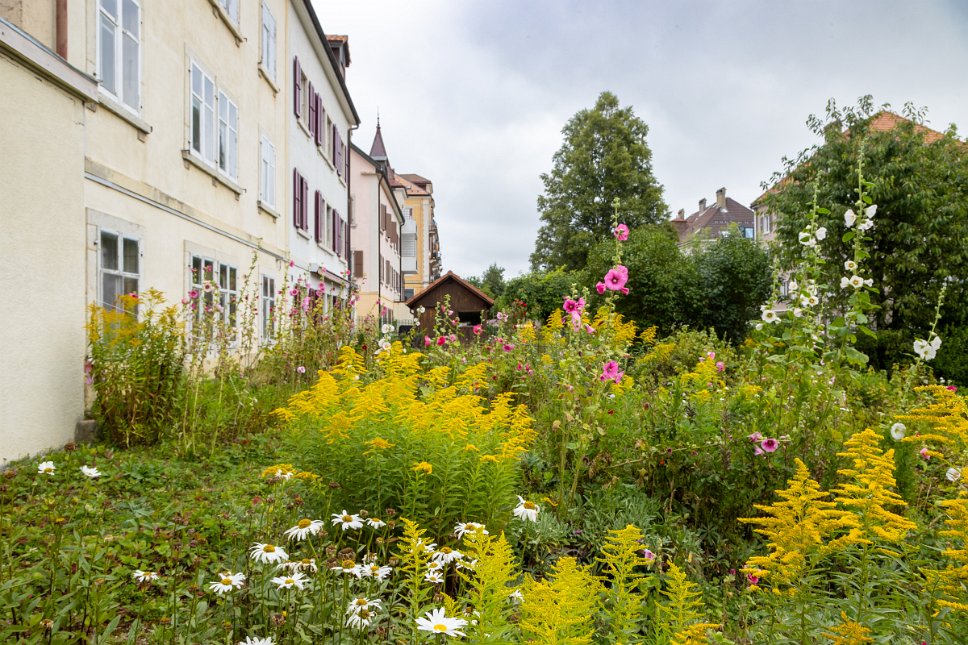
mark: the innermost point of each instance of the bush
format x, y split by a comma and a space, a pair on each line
136, 368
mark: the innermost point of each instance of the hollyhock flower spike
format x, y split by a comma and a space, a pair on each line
611, 372
621, 232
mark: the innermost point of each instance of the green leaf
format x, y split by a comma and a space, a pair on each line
855, 357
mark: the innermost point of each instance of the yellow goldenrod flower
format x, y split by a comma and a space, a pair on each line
423, 467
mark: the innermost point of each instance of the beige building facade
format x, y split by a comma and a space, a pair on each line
160, 141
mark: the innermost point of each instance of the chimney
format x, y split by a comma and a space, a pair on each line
721, 197
702, 204
681, 214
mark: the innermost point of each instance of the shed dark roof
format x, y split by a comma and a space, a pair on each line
418, 299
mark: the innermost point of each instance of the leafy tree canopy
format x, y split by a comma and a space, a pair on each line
491, 281
919, 181
604, 157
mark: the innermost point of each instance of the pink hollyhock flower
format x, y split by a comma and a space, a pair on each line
648, 555
625, 291
453, 338
769, 445
477, 329
441, 340
427, 341
952, 388
711, 356
720, 366
301, 369
611, 372
508, 347
757, 451
292, 263
570, 306
589, 329
752, 579
305, 303
616, 278
924, 454
520, 366
621, 232
294, 292
193, 294
756, 436
600, 287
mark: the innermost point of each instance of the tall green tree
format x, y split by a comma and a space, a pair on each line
604, 157
491, 281
919, 181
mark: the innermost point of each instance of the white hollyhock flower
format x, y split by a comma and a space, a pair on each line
821, 233
387, 328
870, 211
807, 239
769, 315
927, 350
898, 431
850, 265
953, 474
866, 225
849, 218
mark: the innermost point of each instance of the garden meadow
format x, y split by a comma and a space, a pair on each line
571, 480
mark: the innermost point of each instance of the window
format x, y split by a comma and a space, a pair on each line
300, 207
202, 285
203, 114
228, 295
228, 136
120, 268
268, 307
267, 173
268, 42
748, 232
119, 50
217, 146
231, 8
407, 294
319, 219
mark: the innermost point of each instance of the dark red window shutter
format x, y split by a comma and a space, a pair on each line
346, 238
332, 152
317, 225
332, 230
320, 120
297, 86
358, 264
311, 100
296, 197
305, 204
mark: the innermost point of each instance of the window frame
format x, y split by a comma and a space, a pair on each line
120, 272
118, 93
267, 173
267, 308
269, 44
207, 140
232, 153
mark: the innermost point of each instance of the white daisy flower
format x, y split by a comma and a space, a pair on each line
281, 474
268, 553
92, 473
303, 528
516, 596
347, 521
249, 640
434, 577
953, 474
144, 576
227, 582
306, 564
849, 218
445, 555
850, 265
349, 567
527, 510
437, 622
466, 564
46, 468
376, 571
363, 604
464, 528
375, 522
360, 620
898, 430
297, 580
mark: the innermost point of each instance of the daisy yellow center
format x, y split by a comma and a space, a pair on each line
290, 581
530, 506
268, 548
361, 602
226, 581
364, 613
375, 520
304, 523
440, 627
347, 518
348, 564
305, 562
445, 550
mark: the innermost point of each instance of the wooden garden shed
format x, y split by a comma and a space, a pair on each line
466, 301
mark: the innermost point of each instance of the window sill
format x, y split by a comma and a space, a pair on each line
268, 210
227, 19
195, 160
264, 73
303, 234
124, 112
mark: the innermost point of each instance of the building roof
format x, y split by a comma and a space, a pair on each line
378, 150
413, 189
418, 298
713, 217
324, 40
417, 179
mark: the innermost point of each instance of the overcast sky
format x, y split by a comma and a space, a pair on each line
473, 94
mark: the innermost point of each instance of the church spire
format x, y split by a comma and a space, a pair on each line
378, 151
